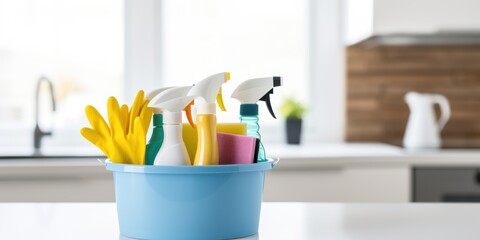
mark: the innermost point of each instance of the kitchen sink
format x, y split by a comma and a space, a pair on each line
38, 156
56, 153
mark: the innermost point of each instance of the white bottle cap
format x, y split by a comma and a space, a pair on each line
171, 118
206, 108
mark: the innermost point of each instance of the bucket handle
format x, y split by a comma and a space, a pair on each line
275, 162
102, 161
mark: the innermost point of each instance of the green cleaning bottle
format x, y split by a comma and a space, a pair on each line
156, 139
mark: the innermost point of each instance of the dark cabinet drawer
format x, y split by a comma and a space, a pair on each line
446, 185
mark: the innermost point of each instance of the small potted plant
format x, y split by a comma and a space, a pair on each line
293, 112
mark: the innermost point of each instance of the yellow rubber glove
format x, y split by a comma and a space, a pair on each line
99, 134
125, 140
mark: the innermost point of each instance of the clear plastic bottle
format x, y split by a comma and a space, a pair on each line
249, 93
253, 130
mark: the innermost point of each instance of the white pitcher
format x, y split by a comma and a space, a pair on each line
423, 130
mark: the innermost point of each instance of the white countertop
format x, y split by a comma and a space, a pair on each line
278, 221
368, 155
302, 156
285, 151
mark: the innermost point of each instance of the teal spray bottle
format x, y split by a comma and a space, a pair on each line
156, 139
249, 92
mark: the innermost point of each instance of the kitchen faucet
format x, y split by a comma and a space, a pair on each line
38, 134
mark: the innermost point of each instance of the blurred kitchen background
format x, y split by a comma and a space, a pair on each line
350, 63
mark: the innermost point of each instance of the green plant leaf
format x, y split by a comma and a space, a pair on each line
292, 108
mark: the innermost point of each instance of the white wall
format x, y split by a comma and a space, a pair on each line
327, 90
142, 45
375, 17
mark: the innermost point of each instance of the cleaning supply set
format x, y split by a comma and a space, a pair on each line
204, 175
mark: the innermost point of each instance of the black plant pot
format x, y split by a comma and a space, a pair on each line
294, 130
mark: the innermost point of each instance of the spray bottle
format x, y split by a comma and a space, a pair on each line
205, 93
173, 150
249, 93
156, 139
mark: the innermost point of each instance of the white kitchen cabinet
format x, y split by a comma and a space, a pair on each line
365, 18
344, 172
339, 184
305, 173
63, 183
72, 183
425, 16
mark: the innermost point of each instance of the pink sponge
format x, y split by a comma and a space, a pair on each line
236, 149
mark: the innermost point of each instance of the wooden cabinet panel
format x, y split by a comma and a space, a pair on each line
378, 77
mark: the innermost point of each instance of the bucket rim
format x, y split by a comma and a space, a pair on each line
211, 169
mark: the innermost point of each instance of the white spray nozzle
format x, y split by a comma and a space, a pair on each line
252, 90
151, 96
207, 90
258, 89
173, 100
155, 92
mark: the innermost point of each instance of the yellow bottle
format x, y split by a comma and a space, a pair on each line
205, 93
207, 140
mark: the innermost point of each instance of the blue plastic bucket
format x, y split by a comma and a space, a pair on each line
189, 202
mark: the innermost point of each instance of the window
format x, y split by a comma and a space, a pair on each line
77, 44
298, 40
92, 49
246, 37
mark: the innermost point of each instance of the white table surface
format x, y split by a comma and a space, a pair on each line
278, 221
